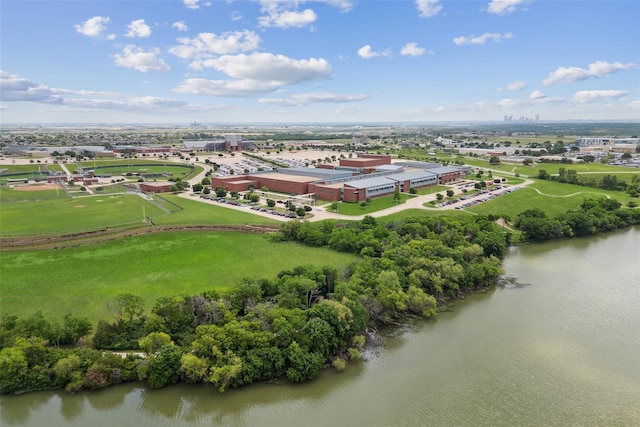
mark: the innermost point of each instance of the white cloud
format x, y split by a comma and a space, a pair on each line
412, 49
137, 58
586, 96
288, 19
16, 89
515, 86
496, 37
367, 52
205, 45
93, 27
234, 88
428, 8
255, 74
503, 7
343, 5
138, 28
536, 94
270, 67
347, 109
536, 98
191, 4
308, 98
180, 26
574, 74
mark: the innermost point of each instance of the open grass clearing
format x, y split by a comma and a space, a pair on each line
374, 205
55, 216
31, 167
198, 213
33, 193
79, 280
551, 197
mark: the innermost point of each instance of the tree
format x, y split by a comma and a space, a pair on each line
192, 368
450, 193
494, 160
153, 342
271, 203
221, 192
126, 307
527, 161
74, 328
439, 196
13, 369
165, 367
543, 174
197, 188
301, 212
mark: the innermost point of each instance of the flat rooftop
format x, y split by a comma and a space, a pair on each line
285, 177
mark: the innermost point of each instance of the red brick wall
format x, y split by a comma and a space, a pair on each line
155, 189
325, 193
354, 194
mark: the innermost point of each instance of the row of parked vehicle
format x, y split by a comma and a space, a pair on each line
488, 195
274, 212
244, 205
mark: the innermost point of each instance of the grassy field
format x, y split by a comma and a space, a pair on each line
31, 167
80, 279
53, 212
197, 213
373, 206
551, 197
9, 195
61, 215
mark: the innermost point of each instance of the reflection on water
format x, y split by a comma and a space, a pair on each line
562, 351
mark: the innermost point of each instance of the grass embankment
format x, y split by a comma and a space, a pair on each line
79, 280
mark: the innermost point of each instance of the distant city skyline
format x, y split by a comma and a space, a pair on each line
330, 61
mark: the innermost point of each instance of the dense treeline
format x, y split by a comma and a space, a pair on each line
593, 216
292, 325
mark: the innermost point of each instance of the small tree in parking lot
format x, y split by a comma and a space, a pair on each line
449, 193
439, 196
271, 203
221, 192
301, 212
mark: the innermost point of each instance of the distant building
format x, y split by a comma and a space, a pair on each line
231, 142
605, 141
156, 186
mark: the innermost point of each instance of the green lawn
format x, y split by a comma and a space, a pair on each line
80, 279
551, 197
10, 195
31, 167
135, 166
55, 216
197, 213
377, 204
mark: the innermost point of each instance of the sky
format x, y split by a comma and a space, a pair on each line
331, 61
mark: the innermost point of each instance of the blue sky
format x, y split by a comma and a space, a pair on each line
219, 61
